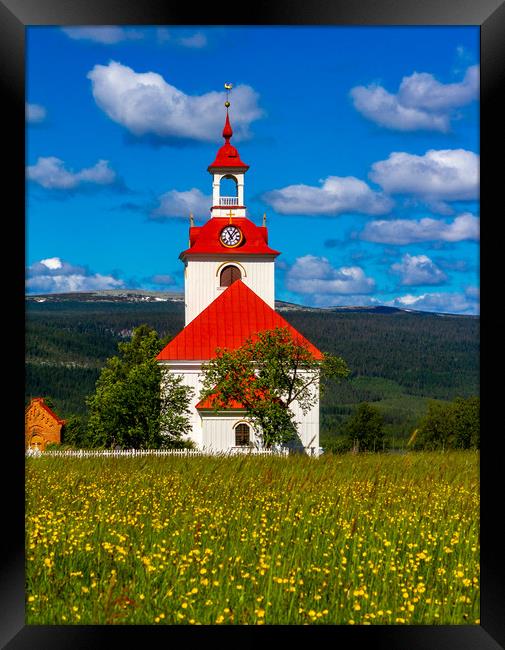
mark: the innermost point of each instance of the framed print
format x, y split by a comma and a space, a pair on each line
372, 135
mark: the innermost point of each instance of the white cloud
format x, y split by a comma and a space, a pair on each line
422, 90
404, 231
35, 113
438, 175
52, 263
452, 303
54, 275
181, 204
473, 293
162, 279
315, 275
144, 103
336, 195
50, 172
422, 102
107, 34
418, 269
196, 41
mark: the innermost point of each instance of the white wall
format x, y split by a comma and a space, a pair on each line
201, 279
216, 431
219, 430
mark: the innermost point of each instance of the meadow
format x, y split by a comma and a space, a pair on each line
349, 539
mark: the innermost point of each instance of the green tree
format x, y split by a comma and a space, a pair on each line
365, 428
127, 409
267, 375
450, 425
467, 422
74, 432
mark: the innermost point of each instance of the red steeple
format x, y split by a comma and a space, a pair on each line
227, 156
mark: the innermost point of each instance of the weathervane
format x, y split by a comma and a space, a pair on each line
228, 86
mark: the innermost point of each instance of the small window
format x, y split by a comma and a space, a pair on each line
228, 276
242, 435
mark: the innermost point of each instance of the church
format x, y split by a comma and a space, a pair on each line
229, 297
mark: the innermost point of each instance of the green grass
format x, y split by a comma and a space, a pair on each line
379, 539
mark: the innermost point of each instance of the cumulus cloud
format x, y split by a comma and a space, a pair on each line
315, 275
418, 269
437, 176
336, 195
107, 34
50, 172
175, 204
35, 113
145, 104
405, 231
54, 275
451, 303
421, 103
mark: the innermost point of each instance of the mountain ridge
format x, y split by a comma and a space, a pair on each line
145, 295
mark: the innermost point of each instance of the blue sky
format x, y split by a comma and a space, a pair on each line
363, 146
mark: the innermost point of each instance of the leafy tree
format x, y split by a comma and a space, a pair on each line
127, 409
450, 425
268, 375
366, 428
74, 432
48, 401
466, 422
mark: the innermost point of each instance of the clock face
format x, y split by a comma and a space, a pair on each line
231, 236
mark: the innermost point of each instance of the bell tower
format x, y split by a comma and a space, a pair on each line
229, 246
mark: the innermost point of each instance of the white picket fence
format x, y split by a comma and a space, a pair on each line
93, 453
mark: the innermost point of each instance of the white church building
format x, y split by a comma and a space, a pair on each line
229, 297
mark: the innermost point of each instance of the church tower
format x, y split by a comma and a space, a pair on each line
229, 296
229, 246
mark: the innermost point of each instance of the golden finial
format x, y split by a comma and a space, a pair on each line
191, 220
264, 219
228, 86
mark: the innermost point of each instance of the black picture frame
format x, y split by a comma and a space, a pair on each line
15, 15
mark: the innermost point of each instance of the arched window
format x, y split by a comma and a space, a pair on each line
228, 186
242, 435
228, 276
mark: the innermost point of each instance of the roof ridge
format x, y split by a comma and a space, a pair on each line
228, 321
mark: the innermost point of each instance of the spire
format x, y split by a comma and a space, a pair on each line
227, 131
227, 156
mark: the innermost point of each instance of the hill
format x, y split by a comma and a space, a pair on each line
399, 359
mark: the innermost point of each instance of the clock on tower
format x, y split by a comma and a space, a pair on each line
231, 236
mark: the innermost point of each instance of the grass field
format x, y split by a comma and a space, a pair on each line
352, 539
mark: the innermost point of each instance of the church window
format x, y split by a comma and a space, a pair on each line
228, 186
228, 276
242, 435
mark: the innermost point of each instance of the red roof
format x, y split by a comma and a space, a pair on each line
46, 408
227, 156
205, 239
208, 403
233, 317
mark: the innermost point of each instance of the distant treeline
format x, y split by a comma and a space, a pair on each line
397, 360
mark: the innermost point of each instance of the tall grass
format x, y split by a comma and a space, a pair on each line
353, 539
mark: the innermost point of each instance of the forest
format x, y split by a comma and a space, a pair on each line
399, 361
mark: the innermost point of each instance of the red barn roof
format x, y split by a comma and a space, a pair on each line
233, 317
205, 239
40, 401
